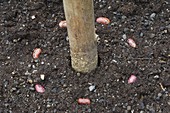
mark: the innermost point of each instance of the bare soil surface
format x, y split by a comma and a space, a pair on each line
29, 24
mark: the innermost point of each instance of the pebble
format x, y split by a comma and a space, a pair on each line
30, 81
42, 63
152, 16
152, 35
124, 17
129, 108
156, 77
124, 36
141, 34
48, 105
27, 73
126, 30
42, 76
92, 88
5, 83
78, 74
54, 90
33, 17
132, 30
31, 88
13, 89
168, 102
141, 112
165, 31
159, 94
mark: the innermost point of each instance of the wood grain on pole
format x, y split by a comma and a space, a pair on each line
80, 26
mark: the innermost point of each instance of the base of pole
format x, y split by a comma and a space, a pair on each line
82, 62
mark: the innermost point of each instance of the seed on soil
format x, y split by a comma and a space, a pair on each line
132, 79
36, 53
84, 101
103, 20
39, 88
63, 24
131, 42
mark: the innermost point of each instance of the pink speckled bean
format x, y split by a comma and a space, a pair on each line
63, 24
103, 20
131, 42
84, 101
39, 88
132, 79
36, 53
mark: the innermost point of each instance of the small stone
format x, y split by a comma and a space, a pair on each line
152, 15
48, 105
13, 73
152, 35
36, 60
54, 90
13, 89
42, 63
92, 88
34, 71
126, 111
109, 7
78, 74
67, 38
141, 34
29, 65
30, 81
124, 17
33, 17
31, 88
8, 57
129, 108
165, 31
126, 30
168, 102
42, 76
141, 111
132, 30
156, 77
27, 73
159, 94
124, 36
141, 105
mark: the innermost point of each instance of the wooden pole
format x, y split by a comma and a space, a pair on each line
81, 32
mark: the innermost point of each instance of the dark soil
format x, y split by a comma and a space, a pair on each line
29, 24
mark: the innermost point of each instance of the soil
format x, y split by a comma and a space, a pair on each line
29, 24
